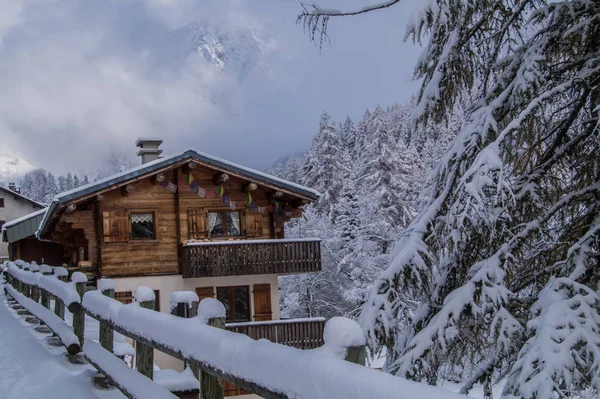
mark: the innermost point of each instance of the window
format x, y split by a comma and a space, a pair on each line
1, 202
2, 223
236, 301
224, 223
142, 226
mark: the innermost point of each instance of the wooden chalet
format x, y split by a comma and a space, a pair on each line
188, 222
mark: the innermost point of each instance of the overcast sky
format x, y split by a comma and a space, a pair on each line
82, 78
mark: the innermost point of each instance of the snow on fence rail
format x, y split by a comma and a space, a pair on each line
54, 323
262, 367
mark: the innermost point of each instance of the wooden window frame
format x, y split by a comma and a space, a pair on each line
223, 211
154, 222
232, 301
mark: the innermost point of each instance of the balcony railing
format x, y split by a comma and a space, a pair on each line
298, 333
248, 257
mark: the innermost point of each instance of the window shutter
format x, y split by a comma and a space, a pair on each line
253, 225
262, 302
205, 292
115, 226
197, 224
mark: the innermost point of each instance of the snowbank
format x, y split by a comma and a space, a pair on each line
55, 323
128, 380
341, 333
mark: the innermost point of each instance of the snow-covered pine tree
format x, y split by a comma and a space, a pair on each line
76, 181
69, 182
323, 169
85, 180
50, 189
348, 135
510, 236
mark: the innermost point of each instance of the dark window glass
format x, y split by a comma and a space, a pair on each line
1, 202
2, 223
236, 302
142, 225
224, 224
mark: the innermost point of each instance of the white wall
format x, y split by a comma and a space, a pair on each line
167, 284
14, 208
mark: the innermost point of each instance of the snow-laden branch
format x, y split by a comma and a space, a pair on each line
315, 19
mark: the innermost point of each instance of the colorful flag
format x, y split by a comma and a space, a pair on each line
201, 192
219, 190
231, 205
253, 206
261, 209
248, 199
194, 186
164, 183
190, 178
172, 188
225, 199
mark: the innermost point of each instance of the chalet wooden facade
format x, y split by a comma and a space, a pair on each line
190, 222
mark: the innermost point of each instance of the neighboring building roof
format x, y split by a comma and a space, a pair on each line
148, 168
22, 227
22, 197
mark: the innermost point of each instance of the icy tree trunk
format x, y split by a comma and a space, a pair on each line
144, 354
106, 333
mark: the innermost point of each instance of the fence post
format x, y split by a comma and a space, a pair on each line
34, 291
45, 296
107, 288
144, 354
212, 312
80, 281
59, 306
346, 339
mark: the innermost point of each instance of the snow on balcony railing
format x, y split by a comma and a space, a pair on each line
249, 242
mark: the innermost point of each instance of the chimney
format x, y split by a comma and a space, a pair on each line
13, 187
149, 149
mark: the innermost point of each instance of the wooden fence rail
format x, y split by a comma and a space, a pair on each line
268, 369
297, 333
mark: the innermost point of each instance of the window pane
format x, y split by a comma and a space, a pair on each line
233, 223
223, 295
142, 225
242, 308
215, 224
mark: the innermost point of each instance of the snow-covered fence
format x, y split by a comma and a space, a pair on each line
26, 285
262, 367
54, 323
268, 369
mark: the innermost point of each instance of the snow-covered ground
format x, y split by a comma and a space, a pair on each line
30, 368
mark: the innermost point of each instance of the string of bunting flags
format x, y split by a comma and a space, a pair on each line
278, 208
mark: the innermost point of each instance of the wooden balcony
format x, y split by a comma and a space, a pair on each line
298, 333
249, 257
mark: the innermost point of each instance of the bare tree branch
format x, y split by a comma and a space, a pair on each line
314, 19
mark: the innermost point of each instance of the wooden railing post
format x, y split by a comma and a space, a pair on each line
346, 339
45, 294
80, 281
144, 354
214, 315
106, 332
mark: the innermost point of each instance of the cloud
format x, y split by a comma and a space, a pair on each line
79, 80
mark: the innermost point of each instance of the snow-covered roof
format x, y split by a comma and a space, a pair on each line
22, 197
23, 227
149, 167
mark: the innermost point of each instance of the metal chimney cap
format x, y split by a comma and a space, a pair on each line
141, 141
